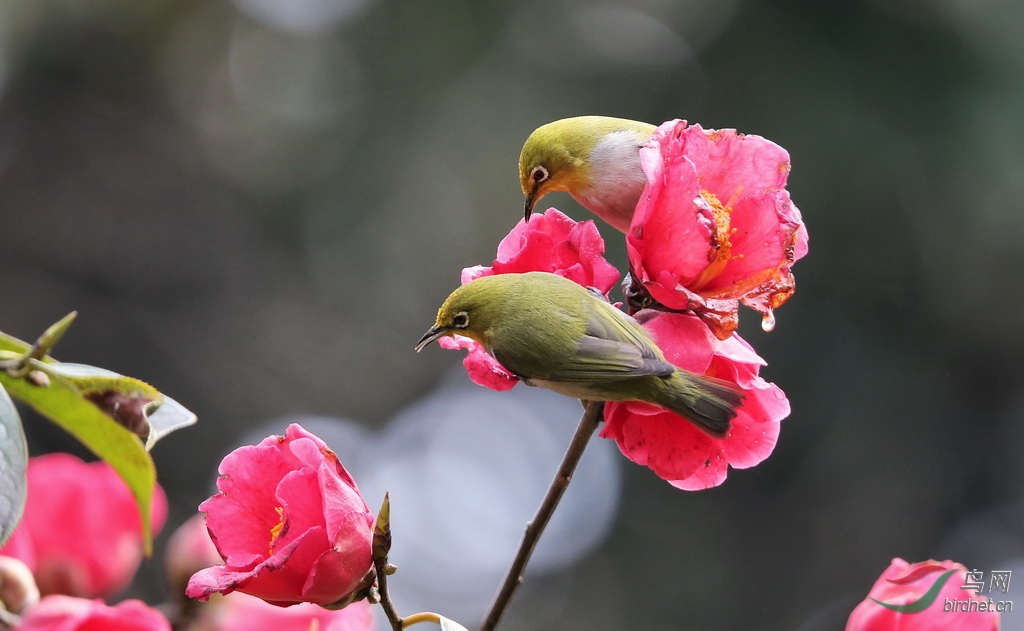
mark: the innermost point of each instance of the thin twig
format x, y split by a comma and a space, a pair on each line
592, 416
385, 596
423, 616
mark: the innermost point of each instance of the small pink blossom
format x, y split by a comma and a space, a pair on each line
80, 533
715, 225
673, 447
552, 242
903, 583
66, 613
549, 242
241, 612
290, 523
189, 550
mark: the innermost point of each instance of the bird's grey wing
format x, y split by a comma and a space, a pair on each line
612, 348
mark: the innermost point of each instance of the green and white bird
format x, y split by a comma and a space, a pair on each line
596, 159
556, 334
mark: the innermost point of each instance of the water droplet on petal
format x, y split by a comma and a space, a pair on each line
768, 321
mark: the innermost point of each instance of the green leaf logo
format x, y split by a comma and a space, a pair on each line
925, 600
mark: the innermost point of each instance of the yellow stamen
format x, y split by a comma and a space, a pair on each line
721, 247
275, 532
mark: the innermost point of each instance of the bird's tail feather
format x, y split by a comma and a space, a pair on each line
707, 402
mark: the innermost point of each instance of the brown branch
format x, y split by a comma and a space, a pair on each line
592, 416
385, 597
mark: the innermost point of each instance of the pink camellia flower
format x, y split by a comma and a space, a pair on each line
80, 533
290, 524
674, 448
549, 242
927, 596
66, 613
241, 612
715, 224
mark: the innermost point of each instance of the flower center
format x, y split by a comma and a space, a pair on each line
721, 247
275, 532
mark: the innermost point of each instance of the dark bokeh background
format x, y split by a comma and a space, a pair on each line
257, 206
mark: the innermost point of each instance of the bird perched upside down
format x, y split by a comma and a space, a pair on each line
596, 159
556, 334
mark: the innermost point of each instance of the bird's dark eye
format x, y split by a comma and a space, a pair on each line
460, 320
539, 174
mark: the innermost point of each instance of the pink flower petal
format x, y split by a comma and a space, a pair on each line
761, 241
65, 613
226, 579
732, 163
246, 505
282, 577
347, 557
483, 369
341, 498
241, 612
673, 447
671, 229
552, 242
666, 443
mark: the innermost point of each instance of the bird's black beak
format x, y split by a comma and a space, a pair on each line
531, 200
435, 332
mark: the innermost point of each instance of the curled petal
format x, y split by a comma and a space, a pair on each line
483, 369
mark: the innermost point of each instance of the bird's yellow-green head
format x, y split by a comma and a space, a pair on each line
555, 158
470, 311
560, 156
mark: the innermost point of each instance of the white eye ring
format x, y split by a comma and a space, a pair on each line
460, 320
539, 174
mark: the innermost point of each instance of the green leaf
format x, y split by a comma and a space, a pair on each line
134, 404
13, 461
63, 404
108, 413
125, 400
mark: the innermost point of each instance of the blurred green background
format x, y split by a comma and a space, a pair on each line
257, 206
